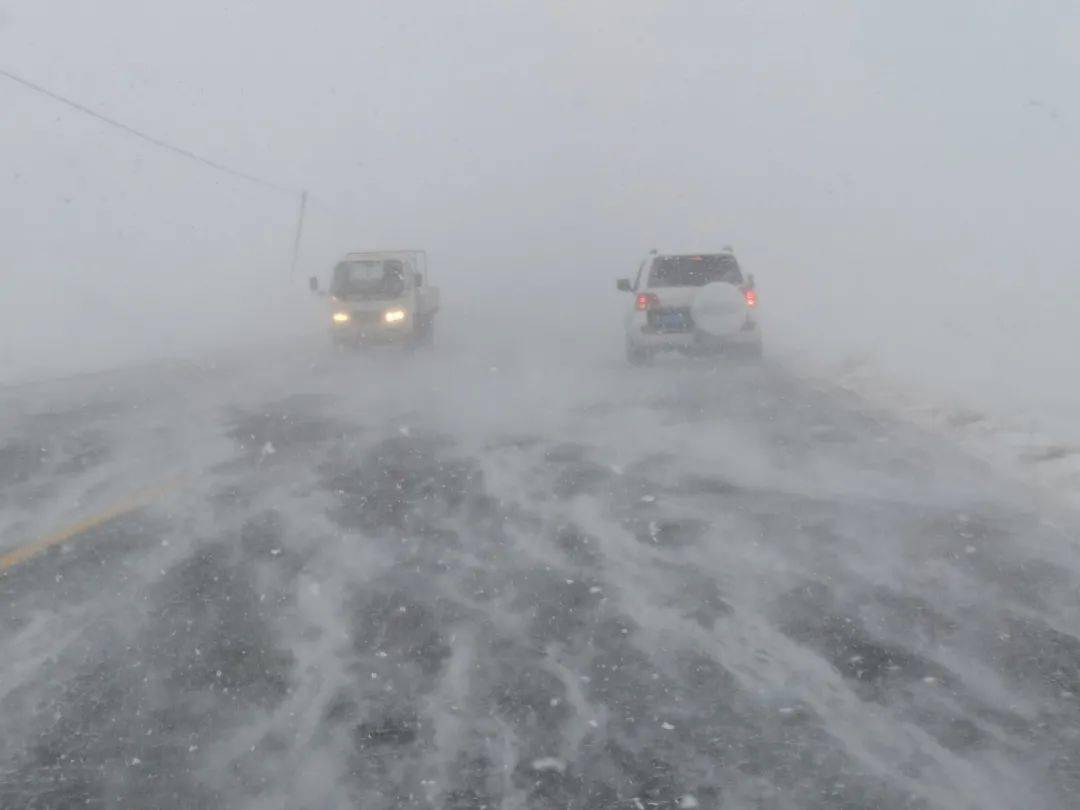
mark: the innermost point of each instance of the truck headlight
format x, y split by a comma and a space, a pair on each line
341, 317
396, 315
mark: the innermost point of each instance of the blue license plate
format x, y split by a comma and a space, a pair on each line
671, 321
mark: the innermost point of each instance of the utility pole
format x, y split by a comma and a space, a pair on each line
299, 232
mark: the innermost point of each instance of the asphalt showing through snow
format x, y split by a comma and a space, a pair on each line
461, 585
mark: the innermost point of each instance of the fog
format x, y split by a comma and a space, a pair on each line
793, 583
900, 179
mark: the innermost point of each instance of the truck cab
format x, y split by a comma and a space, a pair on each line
382, 297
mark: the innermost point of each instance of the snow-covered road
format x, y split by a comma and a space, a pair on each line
469, 582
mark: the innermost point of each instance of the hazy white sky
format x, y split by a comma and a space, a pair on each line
565, 107
843, 147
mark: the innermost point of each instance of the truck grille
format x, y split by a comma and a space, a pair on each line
366, 318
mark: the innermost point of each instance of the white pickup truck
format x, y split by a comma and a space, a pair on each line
382, 297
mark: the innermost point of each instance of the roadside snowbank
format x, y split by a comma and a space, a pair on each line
1038, 446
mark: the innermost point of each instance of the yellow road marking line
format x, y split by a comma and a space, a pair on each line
127, 505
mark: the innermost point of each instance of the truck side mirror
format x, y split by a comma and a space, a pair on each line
313, 284
623, 285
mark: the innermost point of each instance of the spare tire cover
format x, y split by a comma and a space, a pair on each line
719, 308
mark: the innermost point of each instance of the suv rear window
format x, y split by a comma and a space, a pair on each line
694, 271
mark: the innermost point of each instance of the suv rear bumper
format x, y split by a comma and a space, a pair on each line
693, 342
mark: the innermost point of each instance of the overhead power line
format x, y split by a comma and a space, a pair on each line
158, 142
305, 199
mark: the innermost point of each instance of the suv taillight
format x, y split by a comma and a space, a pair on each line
646, 301
751, 298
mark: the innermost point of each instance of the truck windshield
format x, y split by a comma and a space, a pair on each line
369, 278
694, 271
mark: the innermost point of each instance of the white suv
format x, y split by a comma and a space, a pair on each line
692, 303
